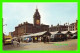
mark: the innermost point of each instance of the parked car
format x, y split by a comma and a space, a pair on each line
8, 41
74, 36
58, 37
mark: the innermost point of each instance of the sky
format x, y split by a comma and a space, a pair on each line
51, 14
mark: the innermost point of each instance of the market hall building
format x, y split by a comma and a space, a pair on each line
28, 28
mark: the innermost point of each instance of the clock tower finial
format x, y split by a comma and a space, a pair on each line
36, 7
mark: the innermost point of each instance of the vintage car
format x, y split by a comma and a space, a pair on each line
8, 41
58, 37
74, 36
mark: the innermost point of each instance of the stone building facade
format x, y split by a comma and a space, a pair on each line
73, 26
28, 28
69, 27
58, 28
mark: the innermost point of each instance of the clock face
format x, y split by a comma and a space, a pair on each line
37, 21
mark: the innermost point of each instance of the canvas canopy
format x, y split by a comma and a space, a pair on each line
35, 34
64, 32
54, 32
73, 32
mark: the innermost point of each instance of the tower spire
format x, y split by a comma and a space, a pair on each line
36, 7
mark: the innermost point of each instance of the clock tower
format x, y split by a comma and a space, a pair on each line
36, 18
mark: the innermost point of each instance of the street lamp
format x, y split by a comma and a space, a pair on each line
5, 25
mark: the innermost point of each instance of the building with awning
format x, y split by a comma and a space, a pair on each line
38, 35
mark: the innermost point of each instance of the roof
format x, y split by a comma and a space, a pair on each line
54, 32
35, 34
40, 33
9, 36
64, 32
74, 31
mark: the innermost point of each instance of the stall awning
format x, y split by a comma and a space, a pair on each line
54, 32
73, 32
64, 32
35, 34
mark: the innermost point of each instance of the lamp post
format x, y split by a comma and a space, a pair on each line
3, 32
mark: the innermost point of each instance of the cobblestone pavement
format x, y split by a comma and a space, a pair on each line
70, 44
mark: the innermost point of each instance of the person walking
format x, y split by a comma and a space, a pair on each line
18, 43
48, 39
44, 39
33, 40
19, 40
36, 39
27, 39
40, 39
12, 42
